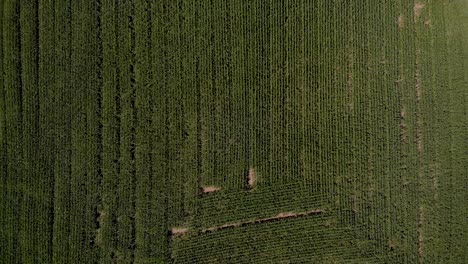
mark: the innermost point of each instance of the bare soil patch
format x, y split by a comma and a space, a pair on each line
179, 231
101, 216
392, 245
210, 189
403, 127
418, 7
100, 219
403, 132
283, 215
418, 76
401, 22
252, 178
419, 139
354, 206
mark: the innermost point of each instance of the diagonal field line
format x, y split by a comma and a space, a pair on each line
175, 232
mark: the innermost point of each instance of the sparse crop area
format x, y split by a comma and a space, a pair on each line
262, 131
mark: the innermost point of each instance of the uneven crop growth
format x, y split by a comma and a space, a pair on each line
210, 131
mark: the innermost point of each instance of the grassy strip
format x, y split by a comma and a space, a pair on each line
62, 117
456, 217
239, 139
93, 84
144, 133
3, 147
127, 180
189, 151
206, 87
159, 181
110, 133
436, 126
259, 95
28, 240
277, 75
13, 120
406, 84
47, 243
175, 110
85, 130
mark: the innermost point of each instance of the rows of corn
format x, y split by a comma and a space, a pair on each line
140, 131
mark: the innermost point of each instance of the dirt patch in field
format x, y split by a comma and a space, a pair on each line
101, 216
283, 215
418, 7
252, 178
100, 219
403, 127
354, 205
419, 139
428, 23
217, 228
391, 245
179, 231
403, 132
210, 189
401, 22
418, 76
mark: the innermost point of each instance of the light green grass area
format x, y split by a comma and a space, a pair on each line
263, 131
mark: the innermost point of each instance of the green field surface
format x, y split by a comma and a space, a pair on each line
212, 131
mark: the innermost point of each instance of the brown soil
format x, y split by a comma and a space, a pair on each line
100, 219
179, 231
417, 11
401, 22
391, 245
403, 133
354, 206
282, 215
101, 216
252, 181
403, 129
419, 138
418, 77
211, 189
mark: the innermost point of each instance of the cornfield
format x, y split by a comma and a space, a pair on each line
263, 131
